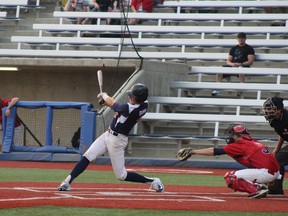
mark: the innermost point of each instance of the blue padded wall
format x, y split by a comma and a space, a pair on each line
88, 127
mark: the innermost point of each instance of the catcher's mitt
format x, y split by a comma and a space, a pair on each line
184, 153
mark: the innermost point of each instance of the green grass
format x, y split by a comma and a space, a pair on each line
56, 175
50, 175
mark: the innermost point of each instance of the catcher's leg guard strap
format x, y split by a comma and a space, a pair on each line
239, 184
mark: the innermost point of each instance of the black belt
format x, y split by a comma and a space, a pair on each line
112, 132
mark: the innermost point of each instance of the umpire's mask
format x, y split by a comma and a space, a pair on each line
270, 107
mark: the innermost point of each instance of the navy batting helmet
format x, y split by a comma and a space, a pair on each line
138, 91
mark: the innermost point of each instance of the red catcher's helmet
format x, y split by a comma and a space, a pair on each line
239, 130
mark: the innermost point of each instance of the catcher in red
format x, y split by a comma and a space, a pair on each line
263, 167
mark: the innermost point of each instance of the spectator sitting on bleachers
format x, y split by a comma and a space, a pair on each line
140, 6
97, 5
241, 55
76, 5
117, 6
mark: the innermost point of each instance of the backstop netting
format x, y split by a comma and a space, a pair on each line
65, 123
49, 127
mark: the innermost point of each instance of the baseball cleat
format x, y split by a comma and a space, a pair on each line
259, 194
64, 186
157, 185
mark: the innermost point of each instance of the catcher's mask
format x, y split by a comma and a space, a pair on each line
138, 91
270, 107
239, 130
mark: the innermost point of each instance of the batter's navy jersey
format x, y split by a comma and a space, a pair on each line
126, 116
281, 126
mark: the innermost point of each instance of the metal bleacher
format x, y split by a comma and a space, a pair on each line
14, 5
269, 72
174, 41
17, 5
238, 6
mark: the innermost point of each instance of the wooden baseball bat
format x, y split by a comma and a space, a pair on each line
100, 79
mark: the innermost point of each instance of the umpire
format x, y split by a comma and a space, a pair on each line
277, 116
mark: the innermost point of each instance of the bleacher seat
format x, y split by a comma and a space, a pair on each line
229, 5
13, 4
240, 70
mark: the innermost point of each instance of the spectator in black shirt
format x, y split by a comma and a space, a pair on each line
241, 55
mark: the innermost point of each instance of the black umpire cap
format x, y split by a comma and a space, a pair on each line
278, 102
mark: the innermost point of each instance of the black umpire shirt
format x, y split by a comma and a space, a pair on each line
281, 125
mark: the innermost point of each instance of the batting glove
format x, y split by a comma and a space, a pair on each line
102, 95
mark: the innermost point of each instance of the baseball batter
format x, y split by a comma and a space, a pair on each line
115, 140
263, 167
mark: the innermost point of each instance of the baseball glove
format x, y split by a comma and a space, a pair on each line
184, 153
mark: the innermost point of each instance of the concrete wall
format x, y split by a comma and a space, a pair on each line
62, 79
76, 80
156, 75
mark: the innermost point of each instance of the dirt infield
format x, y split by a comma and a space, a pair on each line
137, 196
